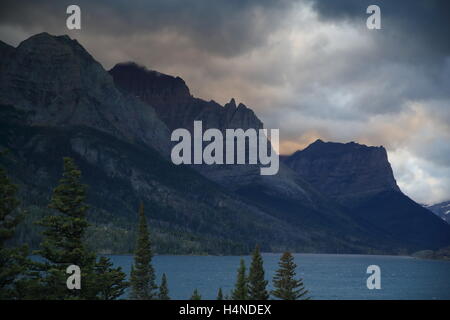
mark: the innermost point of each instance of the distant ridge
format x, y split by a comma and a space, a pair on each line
441, 209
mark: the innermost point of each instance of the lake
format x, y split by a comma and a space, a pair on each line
326, 276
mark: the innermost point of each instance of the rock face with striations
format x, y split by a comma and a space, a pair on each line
57, 82
344, 171
361, 179
171, 99
174, 104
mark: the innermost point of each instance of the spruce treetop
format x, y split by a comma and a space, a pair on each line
219, 294
287, 287
240, 291
163, 289
256, 281
142, 278
196, 295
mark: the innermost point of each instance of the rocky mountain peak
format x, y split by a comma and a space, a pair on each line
171, 98
58, 83
150, 86
343, 170
42, 44
43, 68
230, 105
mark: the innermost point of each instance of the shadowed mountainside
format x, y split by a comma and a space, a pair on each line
361, 179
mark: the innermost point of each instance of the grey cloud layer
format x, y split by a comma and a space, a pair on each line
224, 27
419, 22
310, 68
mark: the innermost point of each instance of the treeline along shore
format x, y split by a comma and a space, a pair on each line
67, 269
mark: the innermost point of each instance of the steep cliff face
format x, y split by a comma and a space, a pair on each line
58, 83
175, 105
360, 178
344, 171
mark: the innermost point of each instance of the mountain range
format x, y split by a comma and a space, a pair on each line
56, 100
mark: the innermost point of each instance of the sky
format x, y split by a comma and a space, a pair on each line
308, 67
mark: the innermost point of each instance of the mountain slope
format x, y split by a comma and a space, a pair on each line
174, 104
58, 83
361, 179
181, 203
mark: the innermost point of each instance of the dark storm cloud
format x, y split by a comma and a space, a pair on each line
224, 27
424, 22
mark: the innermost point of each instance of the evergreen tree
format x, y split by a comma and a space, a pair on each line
12, 260
240, 291
143, 286
196, 295
163, 289
64, 244
284, 282
111, 282
63, 239
256, 282
220, 294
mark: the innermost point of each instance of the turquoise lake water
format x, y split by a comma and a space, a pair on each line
326, 276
